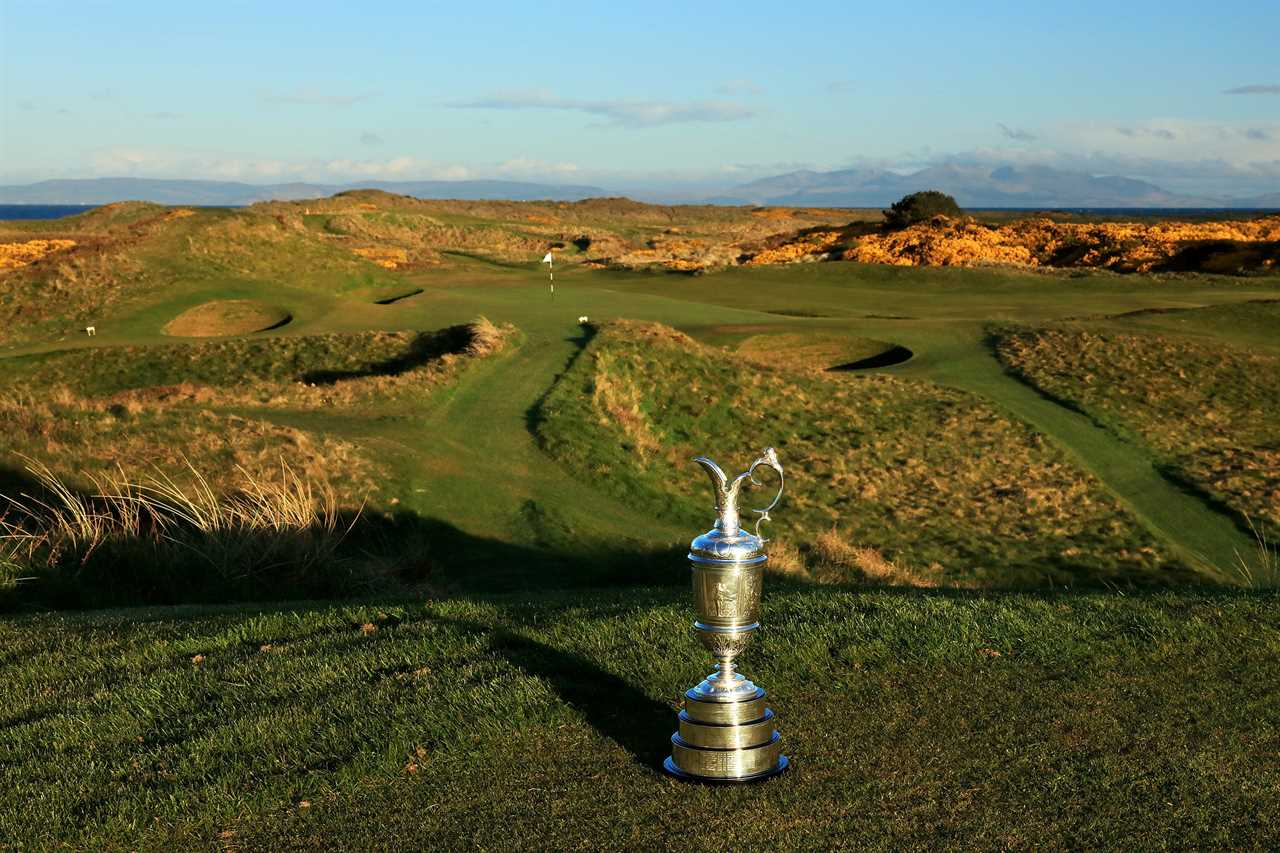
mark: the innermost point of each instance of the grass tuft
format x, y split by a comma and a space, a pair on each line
1263, 570
152, 539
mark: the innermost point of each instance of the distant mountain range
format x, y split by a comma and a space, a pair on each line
233, 193
973, 187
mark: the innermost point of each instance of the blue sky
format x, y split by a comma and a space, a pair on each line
637, 95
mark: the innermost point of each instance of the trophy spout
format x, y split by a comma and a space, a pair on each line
726, 492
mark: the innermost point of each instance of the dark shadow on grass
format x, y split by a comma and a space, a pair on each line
391, 300
425, 347
895, 354
359, 555
279, 324
613, 707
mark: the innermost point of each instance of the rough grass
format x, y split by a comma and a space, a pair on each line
915, 720
1209, 409
280, 370
927, 476
155, 539
80, 438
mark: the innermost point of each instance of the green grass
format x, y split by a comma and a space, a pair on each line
914, 720
1208, 409
234, 362
933, 477
527, 690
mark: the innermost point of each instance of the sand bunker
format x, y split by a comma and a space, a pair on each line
227, 317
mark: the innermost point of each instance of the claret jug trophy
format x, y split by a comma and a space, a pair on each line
726, 732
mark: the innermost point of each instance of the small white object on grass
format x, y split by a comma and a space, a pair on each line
582, 320
91, 330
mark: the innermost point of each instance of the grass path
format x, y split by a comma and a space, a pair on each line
1195, 527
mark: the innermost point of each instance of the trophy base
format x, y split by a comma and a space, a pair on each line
726, 741
671, 768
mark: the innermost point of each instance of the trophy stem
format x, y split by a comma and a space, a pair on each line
726, 672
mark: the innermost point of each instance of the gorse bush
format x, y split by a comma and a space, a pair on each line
151, 540
919, 207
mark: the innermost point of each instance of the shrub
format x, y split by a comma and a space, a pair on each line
920, 206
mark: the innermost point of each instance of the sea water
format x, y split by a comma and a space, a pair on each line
42, 211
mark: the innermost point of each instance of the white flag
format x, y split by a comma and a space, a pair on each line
547, 258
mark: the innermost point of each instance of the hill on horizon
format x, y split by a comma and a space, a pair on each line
981, 187
238, 193
973, 186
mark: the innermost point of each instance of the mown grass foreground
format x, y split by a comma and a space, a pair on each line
915, 719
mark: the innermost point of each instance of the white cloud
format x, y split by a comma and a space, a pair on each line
315, 98
529, 167
398, 167
158, 162
618, 112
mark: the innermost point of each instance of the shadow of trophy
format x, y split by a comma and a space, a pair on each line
726, 733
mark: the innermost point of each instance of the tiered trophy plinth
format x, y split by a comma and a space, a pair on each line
726, 731
726, 738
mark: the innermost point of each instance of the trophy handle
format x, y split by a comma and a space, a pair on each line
768, 459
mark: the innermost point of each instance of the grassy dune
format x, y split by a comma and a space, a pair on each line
1208, 409
936, 478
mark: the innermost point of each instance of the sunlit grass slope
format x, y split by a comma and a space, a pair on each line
1208, 408
936, 478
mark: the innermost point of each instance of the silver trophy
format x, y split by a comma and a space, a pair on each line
726, 733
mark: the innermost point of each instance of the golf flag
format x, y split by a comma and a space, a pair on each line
546, 259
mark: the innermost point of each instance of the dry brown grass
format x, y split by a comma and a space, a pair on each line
78, 438
387, 257
1126, 246
157, 531
838, 560
920, 473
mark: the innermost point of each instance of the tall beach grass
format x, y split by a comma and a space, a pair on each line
159, 539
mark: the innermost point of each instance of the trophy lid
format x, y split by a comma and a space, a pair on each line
715, 546
727, 542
